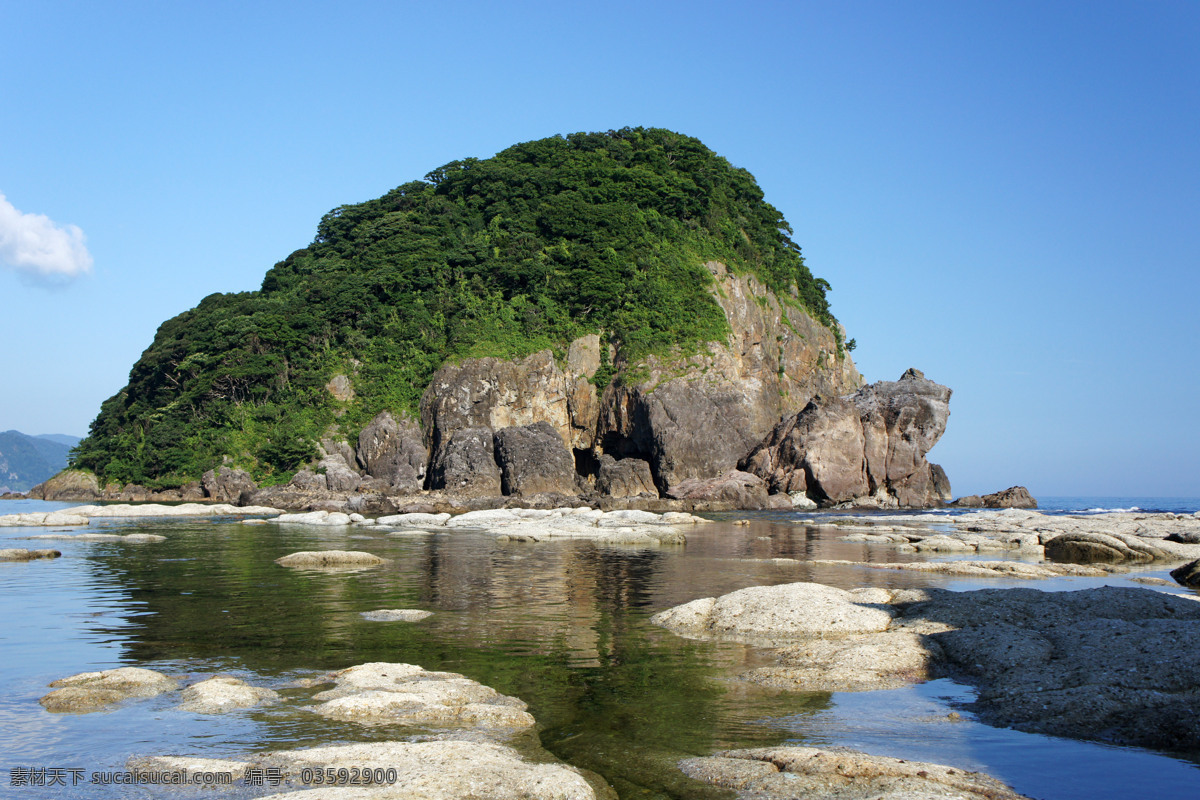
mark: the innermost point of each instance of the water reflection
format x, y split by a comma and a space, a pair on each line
562, 625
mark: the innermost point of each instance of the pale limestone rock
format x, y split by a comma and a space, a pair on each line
222, 693
436, 770
404, 693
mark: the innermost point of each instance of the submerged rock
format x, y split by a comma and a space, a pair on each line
22, 554
223, 693
396, 615
405, 693
94, 691
322, 559
786, 773
1099, 663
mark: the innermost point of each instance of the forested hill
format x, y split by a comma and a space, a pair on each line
548, 240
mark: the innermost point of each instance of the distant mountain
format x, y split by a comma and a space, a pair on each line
26, 461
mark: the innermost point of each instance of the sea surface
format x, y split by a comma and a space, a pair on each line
564, 626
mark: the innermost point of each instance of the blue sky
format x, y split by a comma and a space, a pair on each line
1005, 195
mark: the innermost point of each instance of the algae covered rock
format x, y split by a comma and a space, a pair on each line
95, 691
330, 559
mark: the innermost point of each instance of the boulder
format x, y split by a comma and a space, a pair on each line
627, 477
393, 450
734, 489
868, 446
1188, 575
533, 459
339, 477
494, 393
95, 691
969, 501
70, 484
1013, 497
223, 693
695, 417
776, 613
1088, 548
227, 485
466, 465
818, 451
382, 692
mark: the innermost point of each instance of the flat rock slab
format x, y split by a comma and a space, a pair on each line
22, 554
438, 770
96, 691
382, 692
330, 559
396, 615
328, 518
786, 773
1104, 664
132, 538
222, 693
80, 515
982, 569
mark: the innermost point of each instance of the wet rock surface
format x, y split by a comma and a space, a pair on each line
785, 773
96, 691
24, 554
379, 693
1093, 664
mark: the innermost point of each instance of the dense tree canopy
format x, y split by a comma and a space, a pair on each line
587, 233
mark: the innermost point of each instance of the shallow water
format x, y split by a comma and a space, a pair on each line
564, 626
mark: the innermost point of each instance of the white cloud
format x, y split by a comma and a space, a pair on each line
36, 245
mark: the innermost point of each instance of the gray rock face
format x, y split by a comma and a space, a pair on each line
227, 485
533, 459
740, 489
494, 393
466, 464
785, 773
871, 444
629, 477
695, 417
339, 477
1013, 497
393, 450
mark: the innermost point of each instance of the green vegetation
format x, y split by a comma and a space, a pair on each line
548, 240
